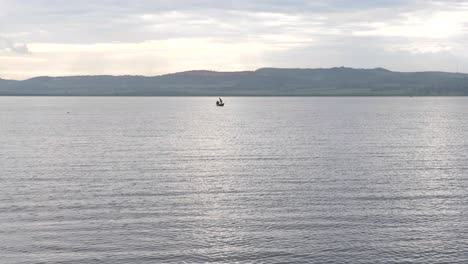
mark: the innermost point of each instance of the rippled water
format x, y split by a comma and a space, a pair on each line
262, 180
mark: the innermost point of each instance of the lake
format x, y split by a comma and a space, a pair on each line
261, 180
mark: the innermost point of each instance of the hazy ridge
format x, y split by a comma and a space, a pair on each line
264, 81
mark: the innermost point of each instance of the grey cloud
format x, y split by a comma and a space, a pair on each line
366, 52
10, 46
103, 21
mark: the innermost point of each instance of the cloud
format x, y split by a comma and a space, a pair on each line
10, 46
162, 36
413, 25
421, 48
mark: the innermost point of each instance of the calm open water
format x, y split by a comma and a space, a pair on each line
262, 180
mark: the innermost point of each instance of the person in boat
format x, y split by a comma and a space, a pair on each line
217, 102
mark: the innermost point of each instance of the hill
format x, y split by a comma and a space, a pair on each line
262, 82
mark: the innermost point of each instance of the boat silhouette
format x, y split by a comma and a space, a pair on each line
220, 102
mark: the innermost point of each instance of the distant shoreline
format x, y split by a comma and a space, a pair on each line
339, 81
217, 95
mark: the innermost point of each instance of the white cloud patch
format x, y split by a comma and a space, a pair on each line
421, 48
6, 45
413, 25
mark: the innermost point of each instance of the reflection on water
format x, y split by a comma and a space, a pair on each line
267, 180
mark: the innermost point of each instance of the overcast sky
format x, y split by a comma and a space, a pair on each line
152, 37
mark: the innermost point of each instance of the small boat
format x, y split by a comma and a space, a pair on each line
220, 102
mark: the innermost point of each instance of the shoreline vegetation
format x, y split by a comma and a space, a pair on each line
341, 81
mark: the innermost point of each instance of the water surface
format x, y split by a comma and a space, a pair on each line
262, 180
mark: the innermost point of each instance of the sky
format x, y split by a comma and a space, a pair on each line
153, 37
